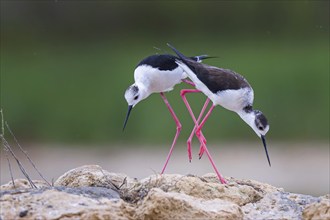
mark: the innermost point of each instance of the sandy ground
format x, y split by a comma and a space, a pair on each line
296, 167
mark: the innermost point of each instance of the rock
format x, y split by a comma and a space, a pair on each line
23, 184
94, 175
318, 210
278, 205
172, 205
52, 203
208, 187
89, 192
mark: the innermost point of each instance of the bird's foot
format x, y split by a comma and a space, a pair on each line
201, 152
202, 146
223, 180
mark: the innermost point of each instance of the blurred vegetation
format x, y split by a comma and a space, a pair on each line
65, 66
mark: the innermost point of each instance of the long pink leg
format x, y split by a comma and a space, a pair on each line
188, 82
201, 149
178, 130
201, 137
198, 134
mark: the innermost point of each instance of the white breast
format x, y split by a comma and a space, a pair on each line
156, 80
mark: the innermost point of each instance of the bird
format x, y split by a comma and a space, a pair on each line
228, 89
158, 73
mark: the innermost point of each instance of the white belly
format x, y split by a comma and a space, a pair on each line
158, 80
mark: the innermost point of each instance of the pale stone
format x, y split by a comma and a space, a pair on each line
89, 192
94, 175
278, 205
239, 192
317, 210
23, 184
171, 205
52, 203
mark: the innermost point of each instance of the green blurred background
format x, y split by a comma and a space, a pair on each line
65, 66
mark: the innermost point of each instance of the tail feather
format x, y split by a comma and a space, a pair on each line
200, 58
195, 58
180, 55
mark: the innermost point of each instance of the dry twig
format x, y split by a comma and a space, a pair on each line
5, 149
25, 153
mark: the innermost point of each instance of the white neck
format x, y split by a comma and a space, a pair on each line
143, 91
249, 119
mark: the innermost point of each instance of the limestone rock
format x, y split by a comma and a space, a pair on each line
94, 175
63, 203
89, 192
278, 205
172, 205
22, 184
208, 187
317, 210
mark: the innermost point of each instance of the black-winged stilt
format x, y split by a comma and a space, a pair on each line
158, 74
225, 88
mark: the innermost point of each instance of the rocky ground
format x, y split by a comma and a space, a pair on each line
89, 192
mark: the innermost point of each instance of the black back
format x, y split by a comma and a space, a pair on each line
217, 79
214, 78
160, 61
167, 61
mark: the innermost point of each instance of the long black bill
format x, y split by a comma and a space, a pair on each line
127, 115
265, 146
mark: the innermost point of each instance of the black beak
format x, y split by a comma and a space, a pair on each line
127, 115
265, 146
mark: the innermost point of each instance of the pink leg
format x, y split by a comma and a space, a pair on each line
198, 134
203, 142
198, 130
178, 130
201, 149
188, 82
201, 137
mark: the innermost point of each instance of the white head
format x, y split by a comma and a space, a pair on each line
258, 122
133, 95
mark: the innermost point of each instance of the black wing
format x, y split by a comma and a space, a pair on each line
216, 79
160, 61
167, 61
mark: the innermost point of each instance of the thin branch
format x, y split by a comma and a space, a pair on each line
124, 182
9, 149
2, 124
110, 181
25, 153
6, 152
10, 170
9, 166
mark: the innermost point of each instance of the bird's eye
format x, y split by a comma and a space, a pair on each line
136, 97
261, 128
